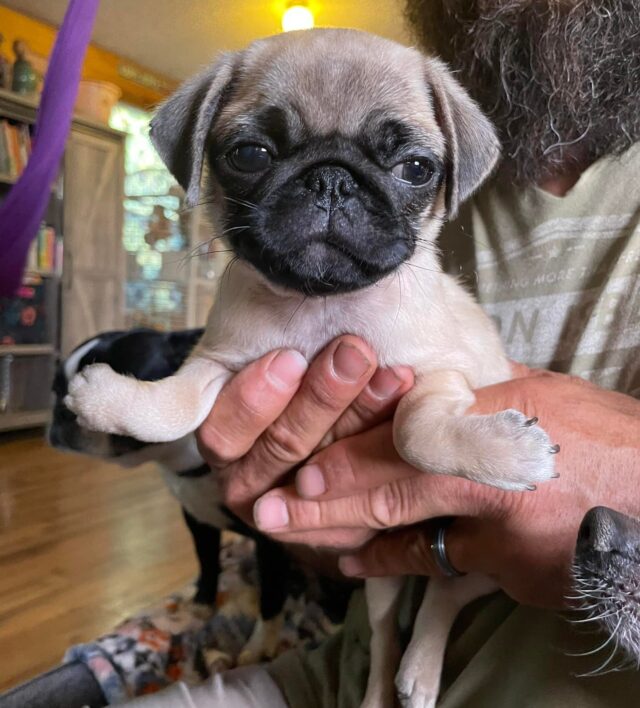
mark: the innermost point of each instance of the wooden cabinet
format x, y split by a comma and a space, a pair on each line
88, 296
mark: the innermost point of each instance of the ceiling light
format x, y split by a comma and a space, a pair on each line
297, 17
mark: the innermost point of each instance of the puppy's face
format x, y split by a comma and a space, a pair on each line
328, 154
324, 191
607, 575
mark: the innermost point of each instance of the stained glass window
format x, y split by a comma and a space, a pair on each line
156, 230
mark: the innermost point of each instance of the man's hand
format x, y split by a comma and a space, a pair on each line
271, 417
525, 540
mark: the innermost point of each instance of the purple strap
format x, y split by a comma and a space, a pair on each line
23, 209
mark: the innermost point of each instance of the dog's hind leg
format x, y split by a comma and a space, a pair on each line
418, 679
206, 541
273, 574
151, 411
382, 604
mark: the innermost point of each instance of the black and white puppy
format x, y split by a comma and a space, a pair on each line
148, 355
606, 573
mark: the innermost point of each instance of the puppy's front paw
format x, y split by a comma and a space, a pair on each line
516, 453
93, 396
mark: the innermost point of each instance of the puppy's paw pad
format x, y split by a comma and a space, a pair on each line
412, 694
93, 380
522, 452
91, 397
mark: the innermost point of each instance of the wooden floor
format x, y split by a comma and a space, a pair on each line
83, 544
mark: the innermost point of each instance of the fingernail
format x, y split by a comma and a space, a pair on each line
270, 513
351, 566
287, 368
384, 383
310, 482
349, 363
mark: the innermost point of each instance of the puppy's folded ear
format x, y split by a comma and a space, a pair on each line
180, 127
472, 143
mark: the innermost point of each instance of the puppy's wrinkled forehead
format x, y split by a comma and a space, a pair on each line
331, 83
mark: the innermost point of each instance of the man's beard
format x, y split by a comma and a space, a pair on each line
559, 78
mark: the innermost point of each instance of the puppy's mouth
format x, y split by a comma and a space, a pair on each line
325, 230
322, 265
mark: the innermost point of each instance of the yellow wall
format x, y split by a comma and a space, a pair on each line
139, 86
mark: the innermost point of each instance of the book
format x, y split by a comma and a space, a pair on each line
24, 143
45, 252
15, 147
14, 150
7, 132
5, 165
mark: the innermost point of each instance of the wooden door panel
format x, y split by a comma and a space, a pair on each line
93, 277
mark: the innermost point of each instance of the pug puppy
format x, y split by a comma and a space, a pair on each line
329, 159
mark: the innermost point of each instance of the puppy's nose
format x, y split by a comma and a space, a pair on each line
606, 530
332, 185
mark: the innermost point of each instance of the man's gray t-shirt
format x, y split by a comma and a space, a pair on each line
560, 275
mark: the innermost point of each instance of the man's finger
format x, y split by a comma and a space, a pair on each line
345, 540
334, 380
248, 404
521, 371
408, 552
353, 465
398, 503
376, 403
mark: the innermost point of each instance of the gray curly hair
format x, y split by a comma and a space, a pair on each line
559, 78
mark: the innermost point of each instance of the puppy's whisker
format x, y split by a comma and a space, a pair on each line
587, 608
295, 312
193, 251
204, 202
601, 646
600, 670
429, 270
395, 319
235, 228
418, 283
596, 618
242, 202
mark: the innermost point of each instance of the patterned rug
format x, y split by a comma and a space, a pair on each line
180, 640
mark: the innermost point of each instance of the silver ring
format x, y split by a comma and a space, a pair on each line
440, 552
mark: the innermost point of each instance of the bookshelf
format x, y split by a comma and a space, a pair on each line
73, 285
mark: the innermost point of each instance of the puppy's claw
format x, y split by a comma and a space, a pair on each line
531, 487
554, 449
530, 422
555, 475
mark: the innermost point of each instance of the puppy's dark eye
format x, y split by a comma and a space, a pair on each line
250, 158
417, 172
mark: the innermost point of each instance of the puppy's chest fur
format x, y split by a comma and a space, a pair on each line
422, 318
